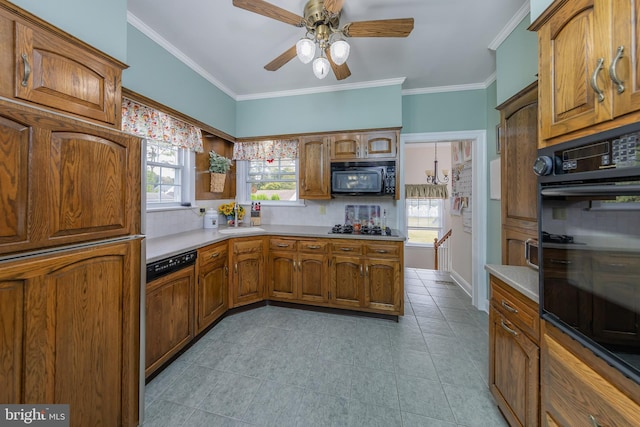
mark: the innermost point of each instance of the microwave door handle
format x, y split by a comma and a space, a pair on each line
527, 252
592, 190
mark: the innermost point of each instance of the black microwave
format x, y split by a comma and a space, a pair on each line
363, 178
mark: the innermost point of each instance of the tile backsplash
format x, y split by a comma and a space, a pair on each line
313, 213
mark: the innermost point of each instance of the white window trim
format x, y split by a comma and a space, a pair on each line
188, 180
245, 199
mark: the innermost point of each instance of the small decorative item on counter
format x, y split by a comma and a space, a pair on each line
211, 218
227, 210
218, 166
256, 213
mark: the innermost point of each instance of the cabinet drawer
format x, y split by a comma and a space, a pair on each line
516, 308
312, 246
616, 263
282, 244
211, 253
575, 394
346, 248
247, 247
382, 250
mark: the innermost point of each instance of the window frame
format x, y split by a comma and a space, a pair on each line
441, 215
243, 191
186, 169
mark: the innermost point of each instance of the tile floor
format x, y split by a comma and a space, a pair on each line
276, 366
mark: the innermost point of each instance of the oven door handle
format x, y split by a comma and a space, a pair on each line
592, 190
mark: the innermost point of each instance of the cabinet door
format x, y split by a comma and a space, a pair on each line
313, 277
626, 34
513, 371
347, 281
382, 279
169, 317
513, 245
574, 394
212, 286
15, 142
571, 45
314, 168
379, 144
57, 73
248, 272
11, 323
345, 147
519, 138
81, 330
283, 275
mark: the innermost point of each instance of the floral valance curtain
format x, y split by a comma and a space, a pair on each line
426, 191
266, 150
149, 123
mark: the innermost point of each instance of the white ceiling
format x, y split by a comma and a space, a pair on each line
451, 46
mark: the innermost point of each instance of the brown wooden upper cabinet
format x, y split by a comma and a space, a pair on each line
587, 67
52, 69
314, 168
66, 181
363, 146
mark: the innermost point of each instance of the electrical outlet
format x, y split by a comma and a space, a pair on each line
202, 210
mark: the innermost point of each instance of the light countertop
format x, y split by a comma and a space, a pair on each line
161, 247
522, 279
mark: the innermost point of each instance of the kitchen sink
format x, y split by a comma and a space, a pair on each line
239, 230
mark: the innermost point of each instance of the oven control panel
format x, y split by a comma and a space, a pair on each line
622, 151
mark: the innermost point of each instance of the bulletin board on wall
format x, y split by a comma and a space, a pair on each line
462, 184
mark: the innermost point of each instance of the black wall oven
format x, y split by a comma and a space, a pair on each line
589, 233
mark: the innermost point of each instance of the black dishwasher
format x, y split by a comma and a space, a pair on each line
169, 265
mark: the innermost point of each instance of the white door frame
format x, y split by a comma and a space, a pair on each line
478, 200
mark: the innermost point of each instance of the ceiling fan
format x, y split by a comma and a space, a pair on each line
322, 22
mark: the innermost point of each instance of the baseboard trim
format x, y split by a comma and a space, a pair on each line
483, 302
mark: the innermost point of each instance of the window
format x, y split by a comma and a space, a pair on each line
167, 174
424, 220
269, 180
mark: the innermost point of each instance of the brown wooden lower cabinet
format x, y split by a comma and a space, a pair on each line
70, 327
580, 389
169, 317
212, 299
514, 354
247, 271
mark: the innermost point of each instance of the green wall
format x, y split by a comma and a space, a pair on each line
102, 24
379, 107
442, 112
539, 6
157, 74
516, 62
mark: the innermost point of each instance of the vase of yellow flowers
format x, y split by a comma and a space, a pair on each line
226, 209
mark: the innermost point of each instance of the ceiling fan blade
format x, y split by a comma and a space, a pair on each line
341, 71
383, 28
333, 6
287, 56
270, 11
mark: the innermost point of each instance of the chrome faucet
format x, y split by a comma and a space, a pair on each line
235, 214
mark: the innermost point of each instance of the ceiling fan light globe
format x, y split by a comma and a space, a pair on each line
321, 67
306, 50
340, 52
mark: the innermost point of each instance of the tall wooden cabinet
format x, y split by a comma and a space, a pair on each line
587, 67
519, 193
71, 332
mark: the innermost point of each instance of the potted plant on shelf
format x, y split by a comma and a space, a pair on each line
218, 166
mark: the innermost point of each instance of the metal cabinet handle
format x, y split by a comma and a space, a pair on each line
235, 268
313, 247
560, 261
366, 271
594, 422
508, 307
226, 270
613, 70
346, 249
283, 245
361, 273
382, 251
26, 68
594, 80
215, 255
508, 329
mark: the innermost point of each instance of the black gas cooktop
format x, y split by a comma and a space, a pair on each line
364, 230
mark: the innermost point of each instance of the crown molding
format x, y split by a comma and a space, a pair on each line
511, 25
149, 32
